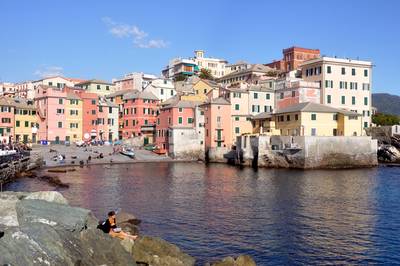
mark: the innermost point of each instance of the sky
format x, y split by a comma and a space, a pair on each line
107, 39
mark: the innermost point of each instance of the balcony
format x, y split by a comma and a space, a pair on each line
220, 139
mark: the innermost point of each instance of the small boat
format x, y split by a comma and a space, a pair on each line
160, 151
128, 152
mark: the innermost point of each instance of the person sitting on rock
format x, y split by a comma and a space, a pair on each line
110, 226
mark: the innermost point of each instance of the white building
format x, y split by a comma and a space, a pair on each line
345, 83
7, 88
134, 81
163, 88
192, 66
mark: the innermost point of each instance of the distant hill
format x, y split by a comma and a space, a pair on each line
386, 103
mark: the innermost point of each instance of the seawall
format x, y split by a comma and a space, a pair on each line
308, 152
11, 165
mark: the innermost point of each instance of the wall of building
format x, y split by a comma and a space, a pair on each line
185, 143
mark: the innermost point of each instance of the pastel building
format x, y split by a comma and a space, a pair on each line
162, 88
74, 117
50, 105
107, 120
134, 81
180, 67
291, 91
117, 99
26, 122
89, 115
140, 112
180, 128
217, 124
216, 66
345, 83
309, 119
244, 76
25, 90
7, 120
97, 86
7, 89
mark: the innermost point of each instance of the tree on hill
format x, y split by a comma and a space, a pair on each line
385, 119
206, 74
180, 77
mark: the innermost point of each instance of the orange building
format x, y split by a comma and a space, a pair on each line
293, 57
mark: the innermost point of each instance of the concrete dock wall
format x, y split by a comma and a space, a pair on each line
307, 152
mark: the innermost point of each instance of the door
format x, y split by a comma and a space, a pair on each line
146, 140
25, 138
34, 138
219, 134
57, 140
67, 138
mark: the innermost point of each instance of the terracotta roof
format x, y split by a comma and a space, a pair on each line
120, 93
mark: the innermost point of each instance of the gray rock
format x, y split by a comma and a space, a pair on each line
50, 196
123, 217
242, 260
129, 228
53, 214
8, 211
158, 252
42, 244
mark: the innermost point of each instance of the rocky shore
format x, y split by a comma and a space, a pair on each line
389, 150
40, 228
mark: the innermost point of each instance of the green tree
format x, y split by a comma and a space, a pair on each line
206, 74
180, 77
381, 119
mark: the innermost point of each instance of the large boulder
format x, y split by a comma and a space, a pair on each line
40, 229
158, 252
124, 217
50, 196
54, 214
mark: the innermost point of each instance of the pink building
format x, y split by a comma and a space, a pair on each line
140, 112
294, 91
50, 104
218, 129
178, 113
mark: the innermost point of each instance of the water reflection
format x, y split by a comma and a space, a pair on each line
277, 216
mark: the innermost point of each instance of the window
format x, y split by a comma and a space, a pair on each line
353, 100
107, 88
365, 72
328, 83
172, 92
353, 71
335, 117
50, 83
329, 99
237, 130
98, 87
313, 116
60, 111
17, 123
328, 69
296, 117
365, 124
26, 124
293, 94
343, 99
93, 101
313, 132
190, 120
282, 95
255, 95
162, 91
343, 71
60, 125
180, 110
60, 101
288, 118
236, 106
93, 112
334, 132
236, 118
365, 86
180, 120
268, 96
365, 100
146, 122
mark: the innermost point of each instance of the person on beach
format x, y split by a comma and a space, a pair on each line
110, 226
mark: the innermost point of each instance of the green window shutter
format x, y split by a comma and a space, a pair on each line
329, 100
365, 100
343, 99
237, 130
313, 116
180, 120
353, 100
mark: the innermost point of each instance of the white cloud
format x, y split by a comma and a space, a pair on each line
152, 44
49, 71
139, 37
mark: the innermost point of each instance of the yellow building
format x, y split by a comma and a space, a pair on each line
73, 118
26, 123
309, 119
202, 87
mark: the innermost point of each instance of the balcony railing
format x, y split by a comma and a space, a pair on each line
219, 139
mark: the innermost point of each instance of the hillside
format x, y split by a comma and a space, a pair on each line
386, 103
